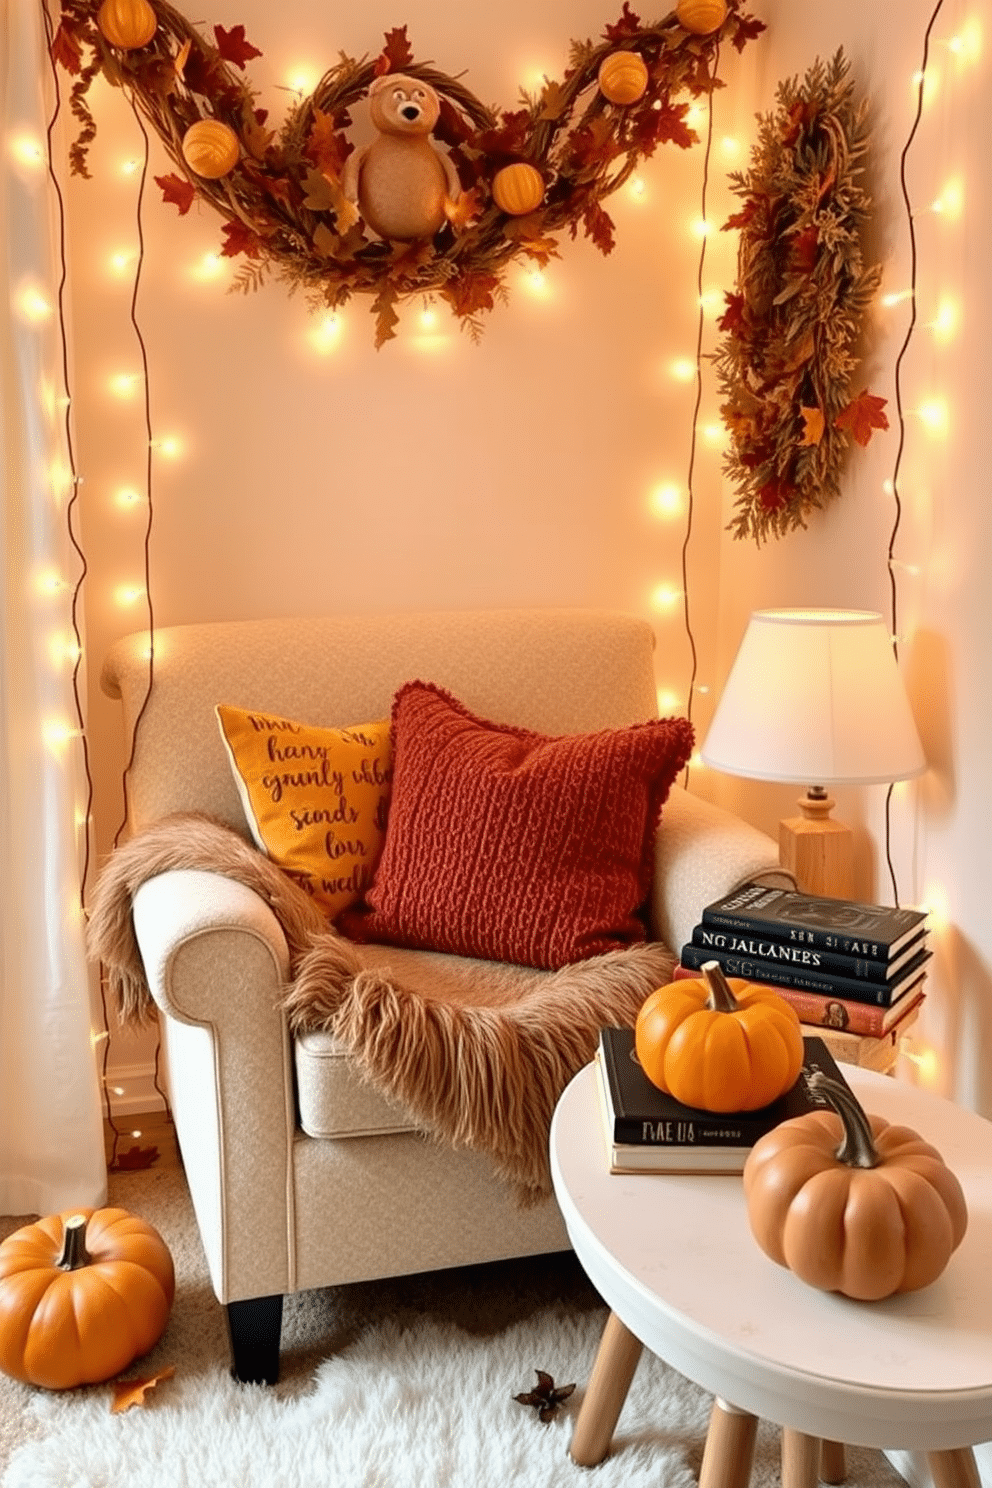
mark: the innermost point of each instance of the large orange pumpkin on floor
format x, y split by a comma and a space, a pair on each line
853, 1204
719, 1045
81, 1295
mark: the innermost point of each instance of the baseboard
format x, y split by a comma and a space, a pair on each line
913, 1466
130, 1088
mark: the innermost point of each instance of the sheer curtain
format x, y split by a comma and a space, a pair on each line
51, 1142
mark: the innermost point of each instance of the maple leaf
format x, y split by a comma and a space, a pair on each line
66, 50
463, 211
553, 102
318, 197
744, 217
628, 25
813, 425
748, 29
470, 293
326, 145
862, 416
546, 1399
804, 248
133, 1392
775, 494
134, 1159
732, 319
665, 124
599, 226
595, 143
396, 54
238, 238
233, 46
179, 192
509, 140
386, 319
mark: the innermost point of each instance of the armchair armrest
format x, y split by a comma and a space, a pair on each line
215, 958
702, 852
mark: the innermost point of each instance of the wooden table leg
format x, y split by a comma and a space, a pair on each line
729, 1450
605, 1394
954, 1469
800, 1459
833, 1467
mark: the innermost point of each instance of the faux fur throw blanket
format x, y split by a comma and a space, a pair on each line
478, 1052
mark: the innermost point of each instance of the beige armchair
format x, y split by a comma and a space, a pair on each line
301, 1175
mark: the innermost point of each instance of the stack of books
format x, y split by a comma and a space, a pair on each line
853, 971
648, 1131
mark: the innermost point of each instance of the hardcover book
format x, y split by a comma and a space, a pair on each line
872, 932
842, 1013
649, 1131
775, 974
807, 957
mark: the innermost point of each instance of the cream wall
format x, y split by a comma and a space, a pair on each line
521, 471
432, 473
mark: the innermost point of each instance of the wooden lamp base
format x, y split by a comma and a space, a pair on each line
816, 849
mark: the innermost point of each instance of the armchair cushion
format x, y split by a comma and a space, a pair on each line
510, 845
315, 799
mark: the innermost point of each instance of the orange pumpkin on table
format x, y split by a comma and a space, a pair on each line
81, 1295
719, 1045
851, 1203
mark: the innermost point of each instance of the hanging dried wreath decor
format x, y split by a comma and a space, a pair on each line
787, 359
280, 192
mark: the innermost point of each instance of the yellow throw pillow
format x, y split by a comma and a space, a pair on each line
315, 798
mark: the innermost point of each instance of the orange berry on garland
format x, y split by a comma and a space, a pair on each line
211, 149
623, 77
127, 24
518, 189
701, 16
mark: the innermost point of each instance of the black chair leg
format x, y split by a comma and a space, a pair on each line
255, 1325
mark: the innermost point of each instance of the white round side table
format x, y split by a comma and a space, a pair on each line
674, 1259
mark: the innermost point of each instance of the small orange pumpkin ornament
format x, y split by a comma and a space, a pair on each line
701, 16
852, 1204
211, 148
623, 77
518, 188
127, 24
719, 1045
81, 1295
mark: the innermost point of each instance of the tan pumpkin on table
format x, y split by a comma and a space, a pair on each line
851, 1203
81, 1295
719, 1045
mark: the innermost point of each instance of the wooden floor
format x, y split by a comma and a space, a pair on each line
138, 1136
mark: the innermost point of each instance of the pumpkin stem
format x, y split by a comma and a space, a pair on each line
74, 1252
722, 999
858, 1148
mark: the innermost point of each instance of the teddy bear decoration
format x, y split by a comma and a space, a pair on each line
402, 183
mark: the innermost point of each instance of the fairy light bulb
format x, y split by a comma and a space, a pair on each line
668, 701
637, 188
665, 596
170, 448
325, 334
32, 304
303, 78
26, 150
933, 415
128, 594
124, 384
682, 369
666, 500
950, 202
945, 323
128, 497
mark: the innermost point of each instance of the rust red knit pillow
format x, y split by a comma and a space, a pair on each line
514, 846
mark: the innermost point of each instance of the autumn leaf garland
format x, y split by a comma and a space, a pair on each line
789, 352
283, 206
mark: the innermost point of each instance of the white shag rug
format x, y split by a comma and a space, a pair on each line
384, 1385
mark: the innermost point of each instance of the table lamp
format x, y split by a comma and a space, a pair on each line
815, 697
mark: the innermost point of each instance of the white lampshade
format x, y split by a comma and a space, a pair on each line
815, 697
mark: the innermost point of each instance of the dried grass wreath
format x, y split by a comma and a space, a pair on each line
792, 328
282, 200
